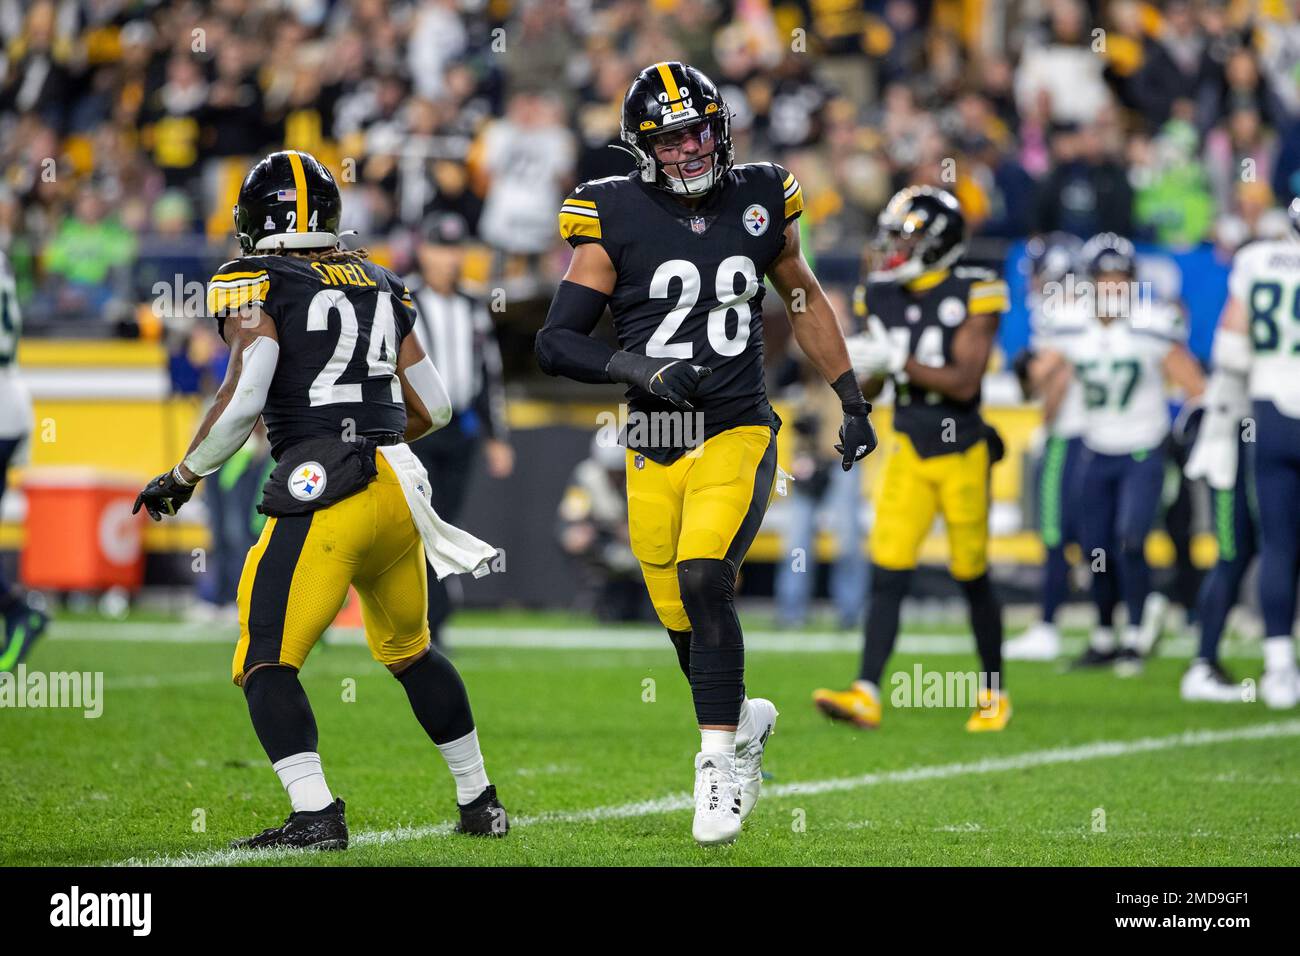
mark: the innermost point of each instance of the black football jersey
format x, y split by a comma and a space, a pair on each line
340, 325
690, 282
927, 313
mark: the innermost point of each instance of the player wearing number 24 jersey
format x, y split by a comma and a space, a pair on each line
321, 350
678, 250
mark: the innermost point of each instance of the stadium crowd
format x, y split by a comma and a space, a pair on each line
125, 125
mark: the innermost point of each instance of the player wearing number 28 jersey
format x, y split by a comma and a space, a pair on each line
321, 350
678, 250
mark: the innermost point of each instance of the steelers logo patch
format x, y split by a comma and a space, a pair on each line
951, 311
755, 219
308, 482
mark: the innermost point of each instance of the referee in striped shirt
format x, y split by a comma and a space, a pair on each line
457, 334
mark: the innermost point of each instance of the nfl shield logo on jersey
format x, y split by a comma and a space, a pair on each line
755, 220
308, 481
638, 461
698, 225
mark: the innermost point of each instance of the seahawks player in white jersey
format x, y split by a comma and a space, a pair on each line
1122, 357
1257, 374
1053, 313
22, 623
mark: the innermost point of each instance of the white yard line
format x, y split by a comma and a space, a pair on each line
622, 639
1098, 750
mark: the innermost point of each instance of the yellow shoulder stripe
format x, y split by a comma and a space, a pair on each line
991, 296
223, 299
576, 224
580, 202
788, 180
227, 276
794, 203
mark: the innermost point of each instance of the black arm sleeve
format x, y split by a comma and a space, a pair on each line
564, 346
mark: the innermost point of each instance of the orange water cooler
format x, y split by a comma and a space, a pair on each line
80, 533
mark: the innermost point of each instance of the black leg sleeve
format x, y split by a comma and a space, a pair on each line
438, 698
888, 588
280, 712
717, 650
682, 644
986, 624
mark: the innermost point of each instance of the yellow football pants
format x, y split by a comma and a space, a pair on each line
707, 504
913, 488
296, 578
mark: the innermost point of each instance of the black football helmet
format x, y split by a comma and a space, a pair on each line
921, 230
1051, 257
1109, 252
289, 200
664, 101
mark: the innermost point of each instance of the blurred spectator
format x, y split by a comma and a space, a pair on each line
592, 530
1060, 78
86, 261
1087, 191
1173, 203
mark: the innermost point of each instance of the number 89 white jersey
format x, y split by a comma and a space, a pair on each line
1266, 280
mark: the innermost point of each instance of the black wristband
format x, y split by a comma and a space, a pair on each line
633, 369
851, 398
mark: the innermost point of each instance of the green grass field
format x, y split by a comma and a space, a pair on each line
1092, 770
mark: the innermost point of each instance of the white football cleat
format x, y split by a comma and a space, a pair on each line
717, 800
1280, 688
1154, 611
1040, 642
749, 756
1204, 681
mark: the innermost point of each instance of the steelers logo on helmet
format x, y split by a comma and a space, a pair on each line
307, 483
677, 127
756, 219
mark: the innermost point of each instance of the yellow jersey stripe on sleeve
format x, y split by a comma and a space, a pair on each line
579, 223
989, 296
590, 204
234, 276
793, 202
227, 297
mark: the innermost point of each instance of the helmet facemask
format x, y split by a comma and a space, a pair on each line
666, 156
899, 251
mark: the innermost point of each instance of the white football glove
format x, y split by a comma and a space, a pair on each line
1214, 456
875, 352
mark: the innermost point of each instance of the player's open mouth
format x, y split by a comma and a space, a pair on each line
695, 167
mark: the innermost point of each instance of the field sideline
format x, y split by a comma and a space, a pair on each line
588, 735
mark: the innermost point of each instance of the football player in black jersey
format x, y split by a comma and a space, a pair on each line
678, 250
320, 348
931, 325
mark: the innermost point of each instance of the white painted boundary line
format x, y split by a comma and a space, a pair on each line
1098, 750
621, 639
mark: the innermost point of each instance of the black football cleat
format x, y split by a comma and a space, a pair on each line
484, 815
304, 830
1091, 658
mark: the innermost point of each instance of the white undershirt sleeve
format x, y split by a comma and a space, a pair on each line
229, 432
427, 384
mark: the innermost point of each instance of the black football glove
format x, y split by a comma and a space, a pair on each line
163, 496
676, 380
857, 434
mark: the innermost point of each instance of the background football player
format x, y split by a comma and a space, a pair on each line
321, 348
1255, 362
930, 329
1052, 311
678, 250
23, 624
1122, 356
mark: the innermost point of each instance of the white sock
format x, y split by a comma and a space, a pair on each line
718, 742
867, 687
304, 781
1132, 637
1102, 640
1279, 653
745, 725
465, 761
